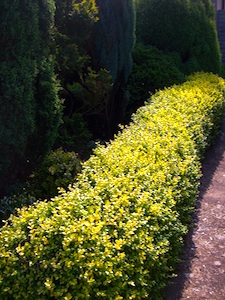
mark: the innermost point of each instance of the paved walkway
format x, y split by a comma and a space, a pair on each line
202, 274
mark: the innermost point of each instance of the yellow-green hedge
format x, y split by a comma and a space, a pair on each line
117, 233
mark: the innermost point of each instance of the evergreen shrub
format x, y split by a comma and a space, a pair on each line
186, 27
113, 41
152, 70
73, 135
58, 169
30, 106
118, 231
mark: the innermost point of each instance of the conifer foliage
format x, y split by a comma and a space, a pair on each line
30, 107
113, 44
186, 27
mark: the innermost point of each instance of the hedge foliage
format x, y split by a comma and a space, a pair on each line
117, 233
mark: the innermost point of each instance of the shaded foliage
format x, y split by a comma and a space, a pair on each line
74, 22
113, 39
94, 41
30, 107
152, 70
59, 169
184, 26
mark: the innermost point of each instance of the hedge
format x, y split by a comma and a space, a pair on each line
117, 233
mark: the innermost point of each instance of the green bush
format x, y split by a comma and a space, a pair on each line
58, 170
118, 231
186, 27
9, 204
73, 135
152, 71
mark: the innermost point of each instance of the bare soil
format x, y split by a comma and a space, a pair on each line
201, 275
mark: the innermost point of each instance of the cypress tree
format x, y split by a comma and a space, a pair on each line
29, 105
113, 39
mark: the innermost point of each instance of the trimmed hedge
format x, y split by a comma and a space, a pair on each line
118, 231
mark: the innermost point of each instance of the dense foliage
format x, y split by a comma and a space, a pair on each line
58, 170
152, 70
117, 232
30, 108
91, 56
186, 27
73, 24
113, 39
94, 41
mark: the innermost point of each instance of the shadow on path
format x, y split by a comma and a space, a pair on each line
213, 157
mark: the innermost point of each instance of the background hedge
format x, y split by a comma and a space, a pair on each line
118, 231
184, 27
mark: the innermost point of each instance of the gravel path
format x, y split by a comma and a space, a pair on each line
202, 273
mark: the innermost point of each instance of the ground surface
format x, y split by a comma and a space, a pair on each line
201, 275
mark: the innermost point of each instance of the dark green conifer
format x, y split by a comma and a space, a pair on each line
29, 105
113, 38
186, 27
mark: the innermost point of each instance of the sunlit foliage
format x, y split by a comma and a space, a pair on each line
117, 233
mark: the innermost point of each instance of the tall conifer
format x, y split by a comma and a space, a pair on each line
29, 104
113, 44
